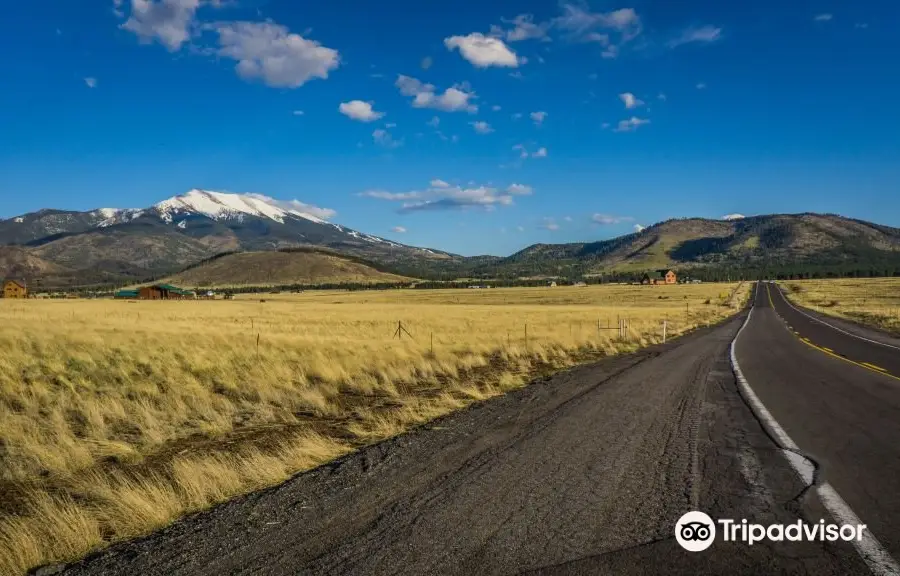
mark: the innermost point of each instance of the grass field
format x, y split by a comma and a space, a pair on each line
117, 417
873, 301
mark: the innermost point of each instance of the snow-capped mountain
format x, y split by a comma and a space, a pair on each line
184, 229
220, 205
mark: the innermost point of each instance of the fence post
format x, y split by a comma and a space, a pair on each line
526, 336
664, 331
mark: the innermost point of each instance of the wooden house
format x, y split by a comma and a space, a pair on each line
15, 289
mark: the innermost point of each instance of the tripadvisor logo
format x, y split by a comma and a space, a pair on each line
695, 531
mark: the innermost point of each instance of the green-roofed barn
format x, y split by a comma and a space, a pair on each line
127, 294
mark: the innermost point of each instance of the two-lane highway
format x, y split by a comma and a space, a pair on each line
835, 395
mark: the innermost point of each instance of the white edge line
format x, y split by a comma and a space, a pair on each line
811, 317
879, 560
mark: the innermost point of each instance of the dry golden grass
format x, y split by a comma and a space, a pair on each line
117, 417
873, 301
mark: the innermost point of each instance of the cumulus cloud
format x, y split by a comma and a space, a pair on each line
399, 229
447, 197
167, 21
454, 99
483, 51
519, 189
630, 100
823, 17
538, 117
733, 217
703, 35
631, 124
359, 110
297, 206
540, 153
90, 82
639, 228
482, 127
271, 53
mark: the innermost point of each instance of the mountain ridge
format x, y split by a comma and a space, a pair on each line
119, 246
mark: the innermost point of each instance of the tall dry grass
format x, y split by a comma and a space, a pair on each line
873, 301
117, 417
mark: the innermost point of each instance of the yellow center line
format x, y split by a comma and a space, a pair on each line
830, 352
873, 367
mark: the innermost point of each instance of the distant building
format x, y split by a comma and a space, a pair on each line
661, 277
164, 292
552, 284
15, 289
127, 295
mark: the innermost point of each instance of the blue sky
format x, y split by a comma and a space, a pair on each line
476, 127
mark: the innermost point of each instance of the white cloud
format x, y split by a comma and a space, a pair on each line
483, 51
630, 100
733, 217
540, 153
520, 228
434, 122
438, 183
631, 124
568, 218
168, 21
359, 110
446, 197
861, 25
639, 228
482, 127
399, 229
519, 189
426, 63
298, 112
604, 126
524, 153
662, 97
703, 34
297, 206
524, 28
538, 117
270, 52
549, 224
607, 220
496, 108
701, 86
611, 30
823, 17
90, 82
384, 138
454, 99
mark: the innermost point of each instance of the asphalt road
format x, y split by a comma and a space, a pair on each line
836, 396
586, 472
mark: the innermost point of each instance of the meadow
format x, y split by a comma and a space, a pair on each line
873, 301
118, 417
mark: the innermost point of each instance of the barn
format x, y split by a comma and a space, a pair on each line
661, 277
164, 292
15, 289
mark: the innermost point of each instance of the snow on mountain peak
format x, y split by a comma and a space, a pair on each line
221, 205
